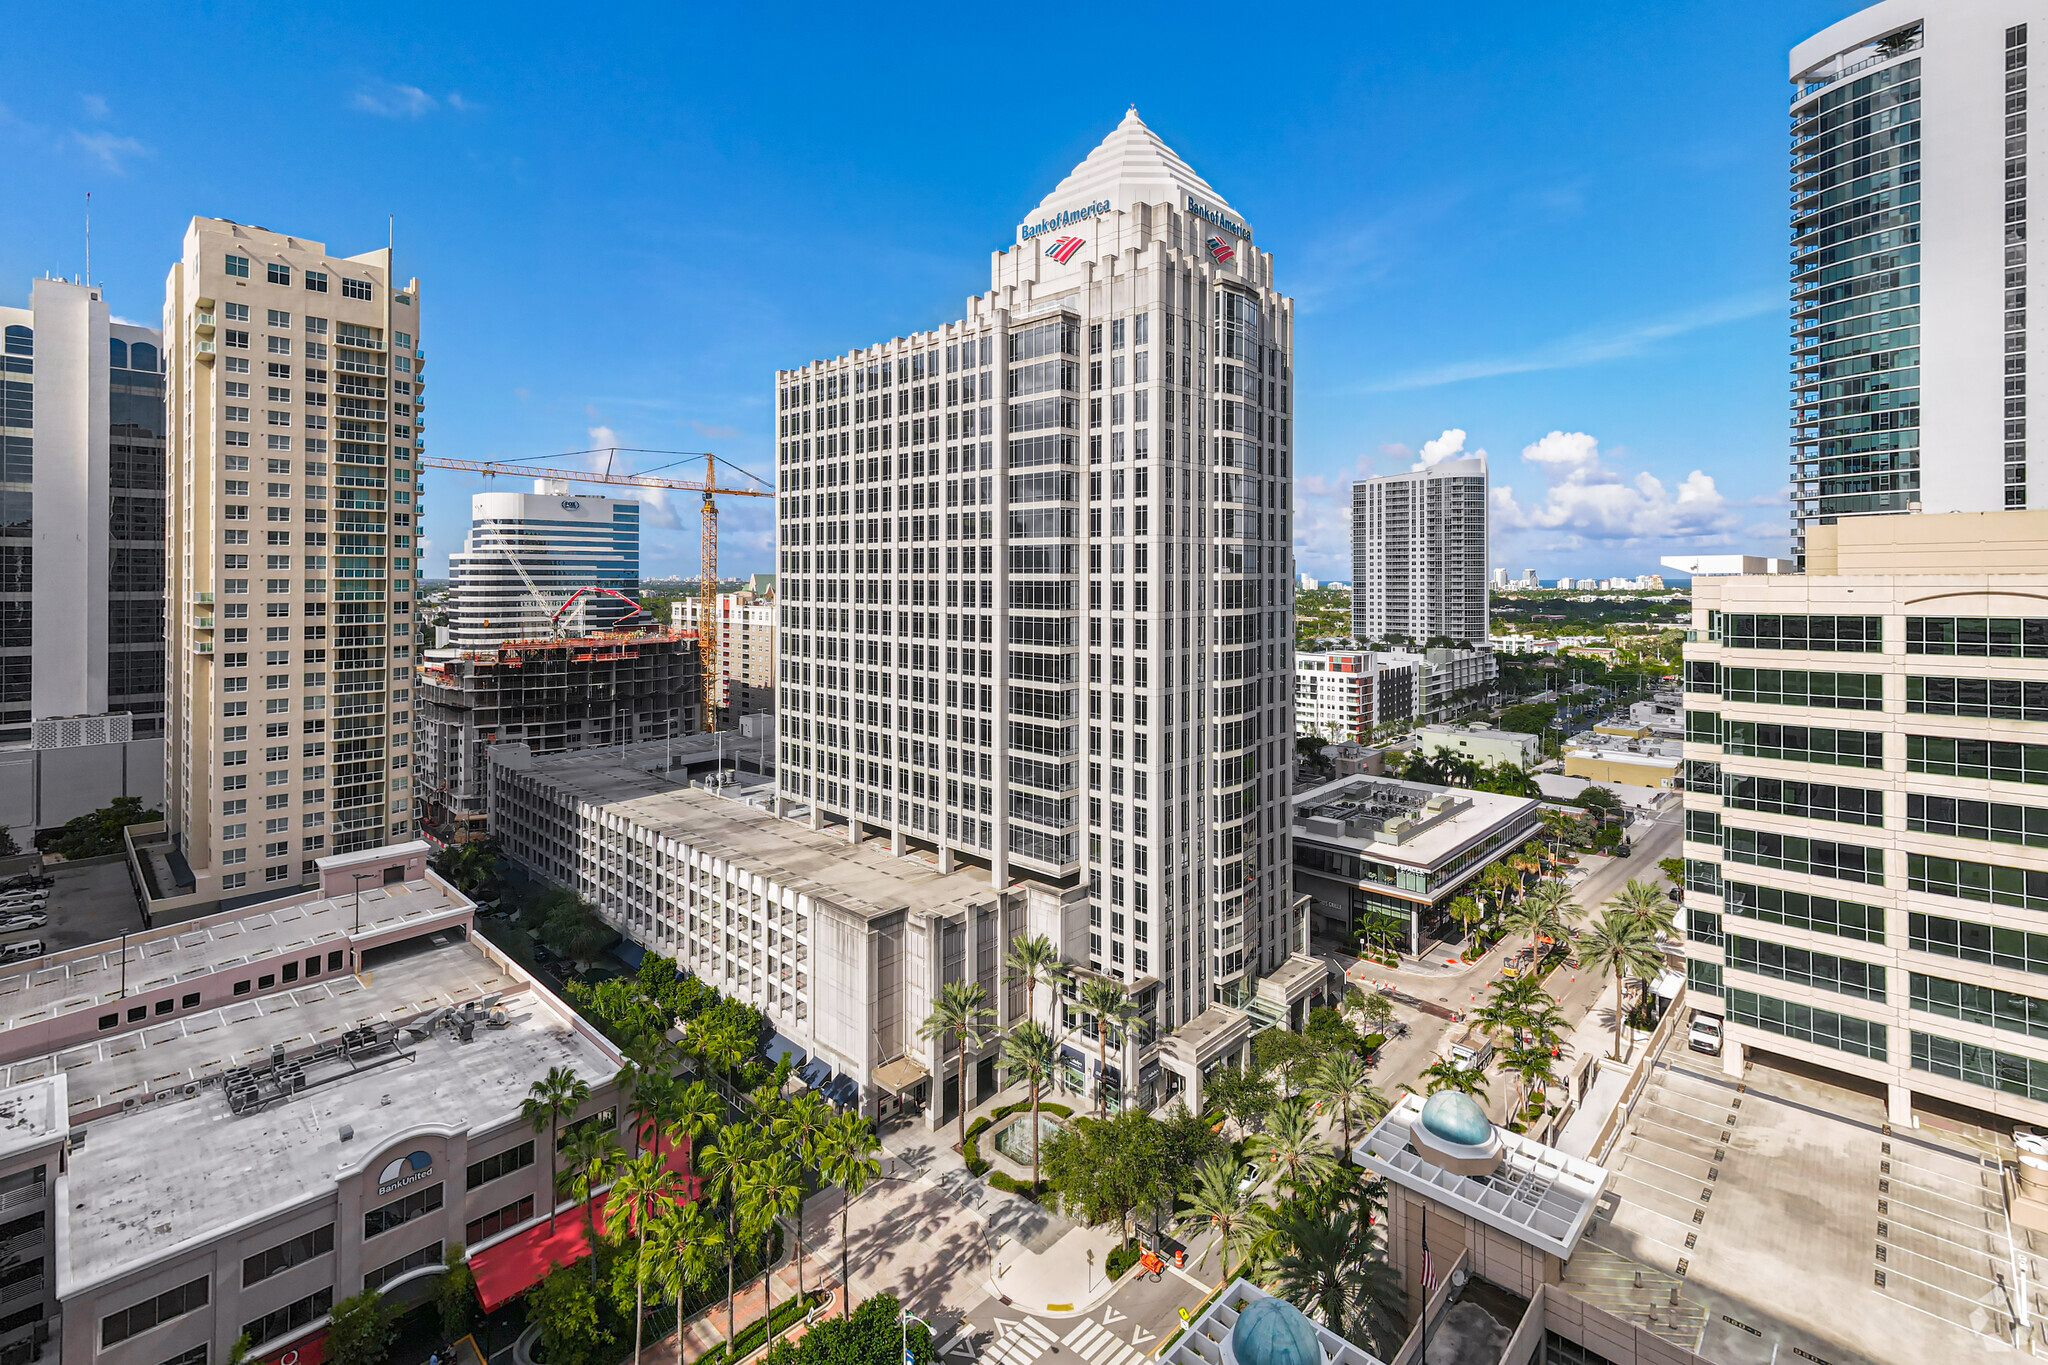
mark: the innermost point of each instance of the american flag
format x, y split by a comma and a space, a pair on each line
1221, 249
1428, 1266
1063, 249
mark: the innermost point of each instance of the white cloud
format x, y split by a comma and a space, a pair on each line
655, 508
388, 99
1583, 348
95, 106
1563, 450
1449, 446
110, 149
1322, 526
1585, 501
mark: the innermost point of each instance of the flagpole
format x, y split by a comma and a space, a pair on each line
1422, 1356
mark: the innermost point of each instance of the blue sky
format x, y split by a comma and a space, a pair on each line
1554, 233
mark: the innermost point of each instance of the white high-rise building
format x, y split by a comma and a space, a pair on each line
81, 558
551, 542
1036, 567
294, 389
1909, 261
1418, 554
1500, 578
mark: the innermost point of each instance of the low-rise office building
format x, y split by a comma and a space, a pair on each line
844, 943
222, 1128
1390, 856
1631, 756
1481, 744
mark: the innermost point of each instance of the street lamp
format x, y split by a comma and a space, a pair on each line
904, 1320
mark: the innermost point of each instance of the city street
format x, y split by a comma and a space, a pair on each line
1126, 1327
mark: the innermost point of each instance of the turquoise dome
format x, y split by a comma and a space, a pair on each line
1273, 1332
1454, 1116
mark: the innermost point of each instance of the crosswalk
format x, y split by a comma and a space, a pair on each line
1021, 1341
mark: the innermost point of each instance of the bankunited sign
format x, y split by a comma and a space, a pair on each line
406, 1170
1065, 218
1222, 220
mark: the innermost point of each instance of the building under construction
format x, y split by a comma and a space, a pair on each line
582, 692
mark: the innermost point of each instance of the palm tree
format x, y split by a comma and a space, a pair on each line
1342, 1081
1548, 909
1329, 1267
1114, 1012
1647, 902
643, 1189
1467, 913
798, 1128
1445, 1074
1030, 1050
1032, 960
652, 1089
685, 1244
1290, 1143
846, 1157
772, 1187
551, 1099
1620, 945
961, 1010
594, 1157
693, 1109
1536, 1069
1217, 1203
723, 1165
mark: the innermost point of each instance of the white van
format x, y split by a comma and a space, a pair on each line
16, 952
1704, 1035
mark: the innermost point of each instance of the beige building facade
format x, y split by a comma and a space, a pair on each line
746, 647
1866, 833
294, 396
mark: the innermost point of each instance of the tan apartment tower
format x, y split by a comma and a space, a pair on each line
294, 394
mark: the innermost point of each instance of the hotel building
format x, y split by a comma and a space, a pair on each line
1036, 578
1910, 240
295, 395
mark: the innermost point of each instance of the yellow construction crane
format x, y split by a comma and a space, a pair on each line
707, 610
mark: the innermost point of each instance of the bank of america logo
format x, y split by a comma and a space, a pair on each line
1221, 250
1063, 248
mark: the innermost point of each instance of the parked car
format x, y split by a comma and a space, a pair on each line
1705, 1034
17, 952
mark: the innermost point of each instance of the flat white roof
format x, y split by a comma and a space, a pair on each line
84, 978
1488, 813
1539, 1195
148, 1182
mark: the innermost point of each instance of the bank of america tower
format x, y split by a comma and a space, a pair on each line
1037, 616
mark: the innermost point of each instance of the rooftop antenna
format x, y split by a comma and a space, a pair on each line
88, 238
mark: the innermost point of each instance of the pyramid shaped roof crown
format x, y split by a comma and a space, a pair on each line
1130, 166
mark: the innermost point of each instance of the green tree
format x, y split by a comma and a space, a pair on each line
1467, 913
644, 1188
1290, 1146
1281, 1054
1445, 1074
359, 1330
97, 834
594, 1158
962, 1011
8, 848
1528, 718
1673, 870
1031, 1052
1621, 946
1032, 960
723, 1165
1341, 1081
685, 1246
772, 1187
1327, 1267
800, 1127
872, 1335
1114, 1015
1217, 1204
1244, 1096
571, 1330
548, 1101
455, 1296
846, 1157
1101, 1169
1646, 902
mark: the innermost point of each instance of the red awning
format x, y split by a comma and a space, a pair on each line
307, 1350
508, 1268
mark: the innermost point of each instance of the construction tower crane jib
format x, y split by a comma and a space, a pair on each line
707, 609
